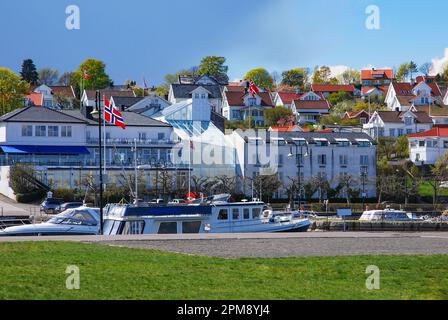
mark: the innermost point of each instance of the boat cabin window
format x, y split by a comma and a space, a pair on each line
74, 217
133, 227
256, 213
236, 214
246, 214
168, 228
191, 226
223, 214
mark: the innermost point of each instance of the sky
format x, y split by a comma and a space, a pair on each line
150, 38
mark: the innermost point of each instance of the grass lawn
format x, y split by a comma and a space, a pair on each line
36, 270
427, 191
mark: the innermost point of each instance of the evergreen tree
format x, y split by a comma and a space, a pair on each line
29, 72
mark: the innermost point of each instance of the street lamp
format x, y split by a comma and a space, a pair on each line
98, 113
299, 158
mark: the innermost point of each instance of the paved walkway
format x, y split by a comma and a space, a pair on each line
275, 245
9, 207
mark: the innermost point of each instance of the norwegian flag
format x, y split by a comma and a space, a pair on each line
86, 74
253, 88
112, 115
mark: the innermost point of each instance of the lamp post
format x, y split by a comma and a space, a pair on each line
299, 159
363, 177
98, 112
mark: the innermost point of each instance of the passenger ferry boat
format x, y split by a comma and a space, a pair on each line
212, 215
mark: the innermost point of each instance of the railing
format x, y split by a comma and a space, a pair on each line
130, 142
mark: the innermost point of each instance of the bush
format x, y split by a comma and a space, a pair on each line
31, 196
67, 195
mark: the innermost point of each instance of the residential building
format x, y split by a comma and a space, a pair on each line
239, 104
376, 77
426, 147
88, 96
34, 99
183, 90
374, 92
310, 107
326, 89
55, 96
62, 146
445, 98
362, 116
147, 105
285, 98
397, 124
327, 156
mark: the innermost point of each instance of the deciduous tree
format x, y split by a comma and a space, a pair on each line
261, 78
12, 91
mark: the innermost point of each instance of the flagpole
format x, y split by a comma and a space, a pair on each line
105, 143
189, 169
98, 106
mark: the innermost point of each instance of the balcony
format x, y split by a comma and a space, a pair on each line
131, 142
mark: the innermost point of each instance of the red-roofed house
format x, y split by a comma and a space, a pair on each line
373, 77
285, 98
34, 99
55, 96
239, 105
402, 96
294, 128
310, 107
327, 89
362, 116
374, 92
426, 147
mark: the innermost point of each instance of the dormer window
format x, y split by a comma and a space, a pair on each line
252, 101
196, 95
203, 96
408, 121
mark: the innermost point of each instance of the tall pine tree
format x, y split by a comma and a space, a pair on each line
29, 72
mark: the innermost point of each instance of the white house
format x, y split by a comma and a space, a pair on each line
327, 156
146, 106
63, 146
56, 96
310, 107
240, 105
426, 147
403, 96
445, 98
285, 98
396, 123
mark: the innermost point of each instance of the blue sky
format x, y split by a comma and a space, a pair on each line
139, 38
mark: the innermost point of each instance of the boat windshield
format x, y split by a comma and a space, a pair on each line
74, 217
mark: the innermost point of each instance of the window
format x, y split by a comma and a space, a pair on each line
66, 131
364, 160
408, 131
256, 213
203, 96
322, 159
408, 121
161, 136
223, 214
392, 132
168, 228
191, 227
246, 214
53, 131
421, 143
400, 132
40, 131
236, 114
142, 136
133, 227
235, 214
27, 131
343, 160
252, 101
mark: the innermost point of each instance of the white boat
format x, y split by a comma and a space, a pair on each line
212, 215
78, 221
387, 215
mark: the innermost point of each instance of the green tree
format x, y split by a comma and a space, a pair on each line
97, 72
29, 73
48, 76
295, 78
439, 174
322, 75
338, 97
402, 147
350, 76
12, 89
261, 78
406, 71
214, 66
274, 115
171, 78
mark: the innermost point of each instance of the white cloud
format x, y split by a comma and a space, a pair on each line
338, 70
439, 64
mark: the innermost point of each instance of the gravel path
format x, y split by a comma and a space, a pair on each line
300, 246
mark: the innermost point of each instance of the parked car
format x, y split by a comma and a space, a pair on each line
177, 201
68, 205
157, 201
79, 221
50, 205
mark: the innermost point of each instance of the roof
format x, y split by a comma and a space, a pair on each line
354, 114
434, 110
183, 91
288, 97
312, 104
374, 74
109, 93
396, 116
39, 114
286, 129
36, 98
437, 131
236, 98
131, 119
126, 102
403, 88
333, 88
66, 91
353, 137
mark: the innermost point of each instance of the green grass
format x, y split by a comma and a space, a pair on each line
426, 190
36, 270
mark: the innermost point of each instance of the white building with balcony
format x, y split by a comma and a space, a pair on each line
426, 147
326, 156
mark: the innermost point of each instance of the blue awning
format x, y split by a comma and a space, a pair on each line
45, 149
